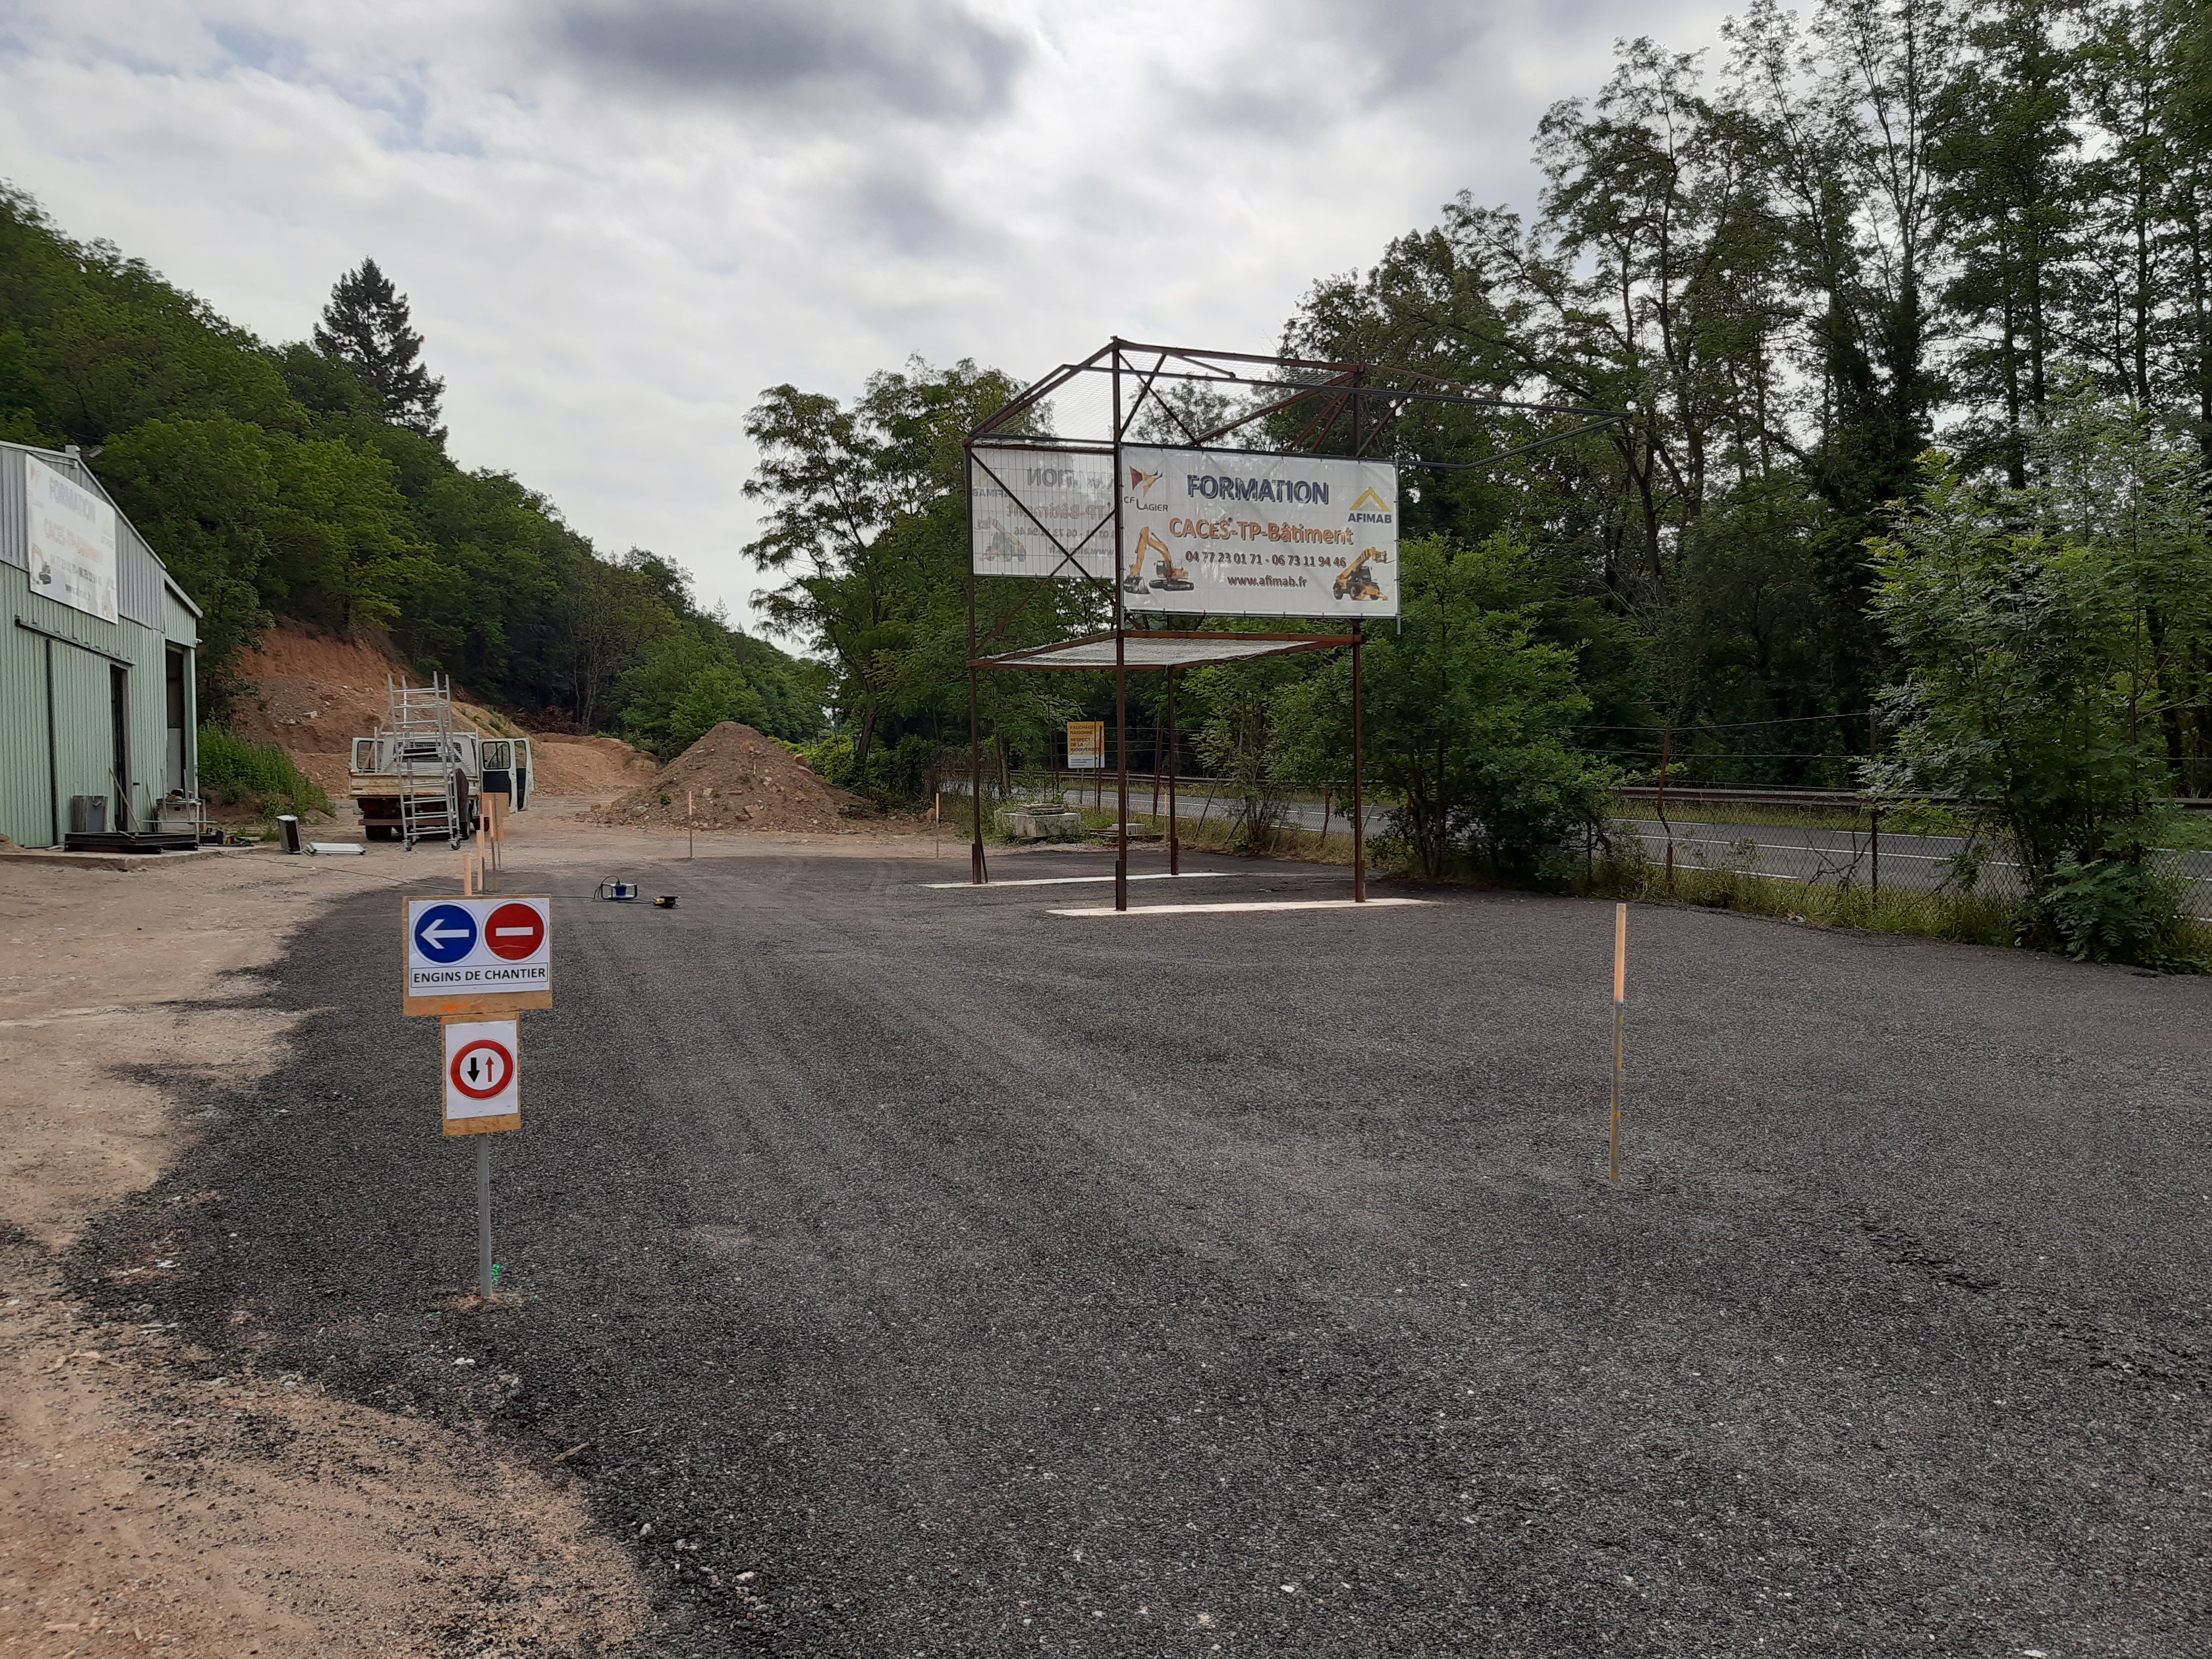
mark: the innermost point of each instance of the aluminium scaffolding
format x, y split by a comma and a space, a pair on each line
426, 758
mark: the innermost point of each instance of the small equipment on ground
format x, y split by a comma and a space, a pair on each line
618, 891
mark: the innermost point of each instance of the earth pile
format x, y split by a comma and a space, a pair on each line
733, 778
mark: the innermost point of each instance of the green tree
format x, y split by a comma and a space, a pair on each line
202, 494
141, 351
865, 524
2008, 204
367, 326
1471, 714
2032, 692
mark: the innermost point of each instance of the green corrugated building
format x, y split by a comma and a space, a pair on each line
97, 720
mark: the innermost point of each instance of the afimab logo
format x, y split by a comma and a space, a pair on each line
1142, 483
1368, 499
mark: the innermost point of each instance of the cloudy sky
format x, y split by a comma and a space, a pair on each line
618, 219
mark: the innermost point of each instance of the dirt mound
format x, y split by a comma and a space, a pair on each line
586, 766
736, 779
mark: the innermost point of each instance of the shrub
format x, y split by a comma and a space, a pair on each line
236, 770
2113, 910
831, 759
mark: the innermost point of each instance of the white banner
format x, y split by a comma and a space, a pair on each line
1238, 535
72, 541
1036, 513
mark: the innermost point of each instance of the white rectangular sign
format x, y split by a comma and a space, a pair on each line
72, 541
1035, 513
1087, 745
472, 946
484, 1069
1242, 535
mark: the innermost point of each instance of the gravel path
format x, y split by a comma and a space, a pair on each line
932, 1275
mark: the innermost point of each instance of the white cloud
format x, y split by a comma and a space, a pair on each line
618, 219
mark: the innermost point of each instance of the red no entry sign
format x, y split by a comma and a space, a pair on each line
515, 932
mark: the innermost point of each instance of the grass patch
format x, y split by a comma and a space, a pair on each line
237, 771
1964, 918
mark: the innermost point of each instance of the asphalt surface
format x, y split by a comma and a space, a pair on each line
933, 1274
1909, 863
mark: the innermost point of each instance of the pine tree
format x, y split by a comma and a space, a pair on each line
366, 327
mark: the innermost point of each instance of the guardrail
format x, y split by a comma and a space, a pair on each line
1877, 860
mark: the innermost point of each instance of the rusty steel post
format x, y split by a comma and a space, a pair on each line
1874, 814
977, 872
1358, 635
1120, 669
1359, 764
1175, 848
1666, 752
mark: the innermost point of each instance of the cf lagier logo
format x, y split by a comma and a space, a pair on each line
1142, 483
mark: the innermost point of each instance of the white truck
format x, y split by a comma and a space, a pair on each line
421, 778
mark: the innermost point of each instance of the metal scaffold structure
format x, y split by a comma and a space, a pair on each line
1120, 471
433, 788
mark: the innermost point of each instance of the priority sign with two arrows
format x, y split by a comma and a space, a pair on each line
478, 955
483, 1080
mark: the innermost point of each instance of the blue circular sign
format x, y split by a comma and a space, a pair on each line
446, 932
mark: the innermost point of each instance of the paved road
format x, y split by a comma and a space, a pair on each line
1797, 853
986, 1282
1914, 861
1918, 863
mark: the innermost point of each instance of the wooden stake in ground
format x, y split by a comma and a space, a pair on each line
1620, 1009
690, 824
937, 817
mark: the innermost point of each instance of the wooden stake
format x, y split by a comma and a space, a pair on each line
1620, 1002
937, 817
690, 824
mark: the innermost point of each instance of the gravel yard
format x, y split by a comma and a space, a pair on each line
919, 1272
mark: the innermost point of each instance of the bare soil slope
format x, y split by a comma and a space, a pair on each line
311, 694
587, 766
733, 778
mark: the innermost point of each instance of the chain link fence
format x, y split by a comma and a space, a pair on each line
1880, 864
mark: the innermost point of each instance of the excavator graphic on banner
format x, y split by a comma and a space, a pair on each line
1355, 581
1171, 579
1002, 546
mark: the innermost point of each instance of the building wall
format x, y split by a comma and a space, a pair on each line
154, 616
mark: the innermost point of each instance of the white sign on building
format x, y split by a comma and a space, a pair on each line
72, 541
1250, 535
1038, 513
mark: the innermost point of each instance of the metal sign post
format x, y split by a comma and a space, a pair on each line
1619, 1015
476, 962
484, 1097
